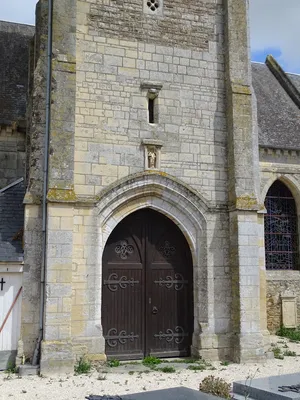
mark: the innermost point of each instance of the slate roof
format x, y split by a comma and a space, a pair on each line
12, 221
278, 115
295, 80
14, 59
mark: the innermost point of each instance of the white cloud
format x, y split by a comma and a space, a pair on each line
22, 11
276, 24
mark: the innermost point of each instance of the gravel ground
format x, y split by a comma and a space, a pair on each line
67, 387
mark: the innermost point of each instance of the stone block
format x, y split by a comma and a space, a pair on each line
56, 357
289, 310
177, 393
28, 370
268, 388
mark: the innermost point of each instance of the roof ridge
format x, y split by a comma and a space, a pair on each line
293, 73
16, 23
283, 79
11, 185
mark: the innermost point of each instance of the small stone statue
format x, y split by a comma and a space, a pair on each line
151, 158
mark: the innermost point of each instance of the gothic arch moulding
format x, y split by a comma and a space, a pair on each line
173, 199
159, 192
289, 180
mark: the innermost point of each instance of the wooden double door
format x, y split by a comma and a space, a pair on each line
147, 294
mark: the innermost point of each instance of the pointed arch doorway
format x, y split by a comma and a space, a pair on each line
147, 289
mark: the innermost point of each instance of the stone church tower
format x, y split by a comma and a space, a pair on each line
142, 215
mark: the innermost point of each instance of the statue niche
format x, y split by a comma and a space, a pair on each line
152, 157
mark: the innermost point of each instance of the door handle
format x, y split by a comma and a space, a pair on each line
154, 310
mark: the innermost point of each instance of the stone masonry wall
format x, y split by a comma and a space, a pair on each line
212, 283
278, 283
12, 155
33, 236
178, 23
119, 47
31, 281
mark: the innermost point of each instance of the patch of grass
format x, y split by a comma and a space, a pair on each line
131, 372
277, 353
131, 363
113, 363
224, 363
201, 367
289, 353
146, 371
83, 366
11, 368
151, 362
184, 361
167, 370
205, 363
290, 333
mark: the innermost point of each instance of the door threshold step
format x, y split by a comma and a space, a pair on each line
27, 370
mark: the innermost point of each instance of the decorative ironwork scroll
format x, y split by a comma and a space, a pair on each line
281, 232
114, 282
292, 388
167, 250
169, 282
113, 337
177, 335
123, 249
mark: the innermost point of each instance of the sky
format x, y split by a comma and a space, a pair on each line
274, 27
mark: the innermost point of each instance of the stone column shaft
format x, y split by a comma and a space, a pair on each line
57, 349
243, 201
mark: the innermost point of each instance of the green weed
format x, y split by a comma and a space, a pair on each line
151, 362
277, 353
290, 333
113, 363
289, 353
197, 367
167, 370
83, 366
11, 368
224, 363
130, 372
184, 361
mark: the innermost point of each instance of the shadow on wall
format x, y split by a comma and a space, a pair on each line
12, 222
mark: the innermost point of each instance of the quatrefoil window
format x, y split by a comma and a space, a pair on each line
153, 4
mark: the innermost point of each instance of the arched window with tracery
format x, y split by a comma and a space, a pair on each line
281, 228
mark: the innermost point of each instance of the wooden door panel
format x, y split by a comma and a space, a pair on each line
123, 291
168, 327
147, 289
123, 309
169, 282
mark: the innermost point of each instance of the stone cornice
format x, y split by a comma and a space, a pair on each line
279, 152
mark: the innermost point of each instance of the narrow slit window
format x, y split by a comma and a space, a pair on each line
151, 110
